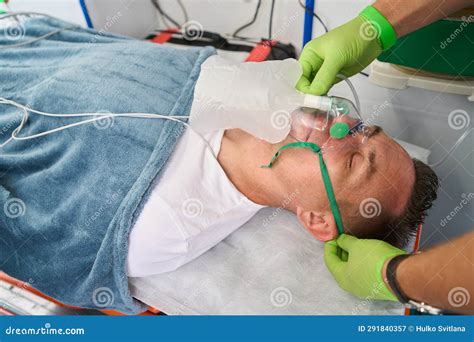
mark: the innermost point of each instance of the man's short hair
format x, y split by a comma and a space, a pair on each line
400, 230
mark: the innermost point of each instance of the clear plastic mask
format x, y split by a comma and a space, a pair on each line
339, 126
261, 99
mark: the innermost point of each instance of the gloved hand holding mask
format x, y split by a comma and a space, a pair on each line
347, 49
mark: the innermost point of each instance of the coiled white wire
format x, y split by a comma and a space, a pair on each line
47, 35
95, 117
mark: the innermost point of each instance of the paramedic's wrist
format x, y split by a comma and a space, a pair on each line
385, 31
384, 274
390, 277
391, 13
406, 276
405, 16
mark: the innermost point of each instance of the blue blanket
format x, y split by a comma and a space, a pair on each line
68, 200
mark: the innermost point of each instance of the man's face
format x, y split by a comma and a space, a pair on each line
372, 177
378, 170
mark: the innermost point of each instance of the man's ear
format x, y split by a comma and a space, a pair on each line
320, 224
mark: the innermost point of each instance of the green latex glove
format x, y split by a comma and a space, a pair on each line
361, 271
347, 49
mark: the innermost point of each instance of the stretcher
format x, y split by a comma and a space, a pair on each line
269, 266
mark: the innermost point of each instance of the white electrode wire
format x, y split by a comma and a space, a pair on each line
451, 150
67, 115
18, 129
31, 41
26, 13
96, 117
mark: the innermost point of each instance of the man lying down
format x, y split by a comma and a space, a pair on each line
85, 207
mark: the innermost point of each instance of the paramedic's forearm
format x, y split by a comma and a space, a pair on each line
442, 276
408, 16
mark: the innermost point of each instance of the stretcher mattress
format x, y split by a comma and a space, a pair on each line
271, 265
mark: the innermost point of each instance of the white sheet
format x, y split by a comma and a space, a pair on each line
271, 265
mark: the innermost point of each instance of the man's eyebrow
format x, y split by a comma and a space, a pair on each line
372, 167
375, 130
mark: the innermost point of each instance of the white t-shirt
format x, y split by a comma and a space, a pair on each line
193, 207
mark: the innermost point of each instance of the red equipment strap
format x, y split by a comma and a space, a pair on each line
261, 51
164, 36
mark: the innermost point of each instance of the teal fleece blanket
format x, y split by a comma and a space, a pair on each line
68, 200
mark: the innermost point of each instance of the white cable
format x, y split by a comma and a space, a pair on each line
451, 150
31, 41
26, 13
20, 126
67, 115
96, 117
354, 92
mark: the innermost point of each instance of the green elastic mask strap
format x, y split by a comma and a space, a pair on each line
324, 172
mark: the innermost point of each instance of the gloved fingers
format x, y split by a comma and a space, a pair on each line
325, 77
338, 252
332, 260
344, 255
310, 63
303, 84
346, 241
351, 70
330, 246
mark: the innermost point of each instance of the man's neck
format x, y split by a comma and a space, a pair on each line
241, 156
